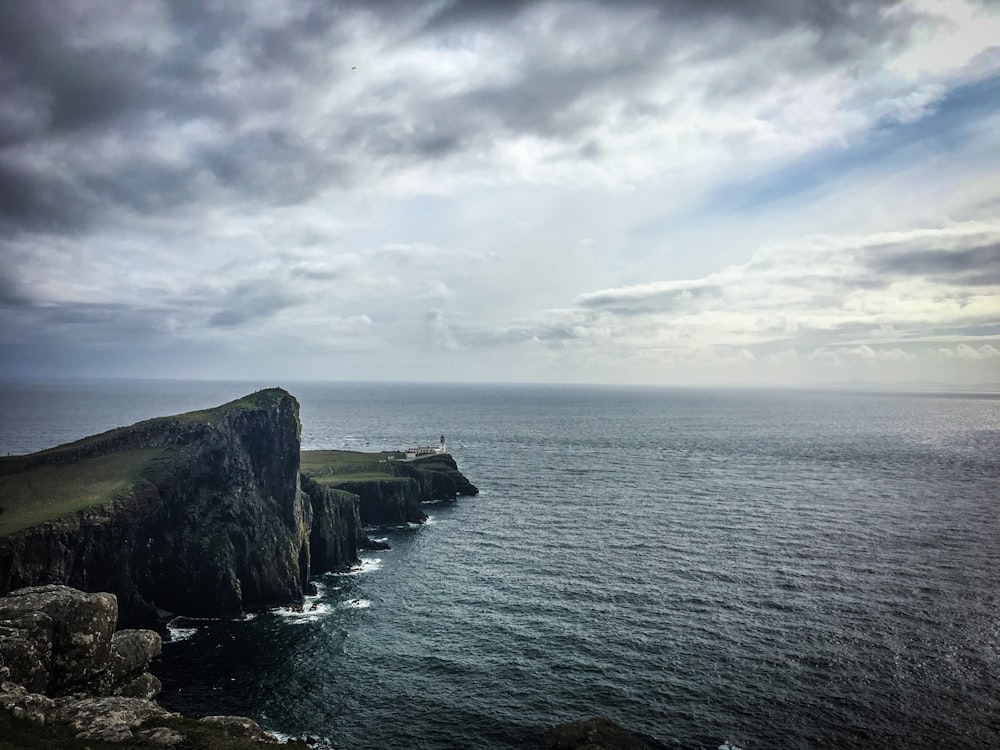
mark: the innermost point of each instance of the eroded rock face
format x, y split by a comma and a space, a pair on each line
57, 640
219, 527
335, 532
26, 648
111, 718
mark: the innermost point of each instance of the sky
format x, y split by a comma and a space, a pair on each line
698, 192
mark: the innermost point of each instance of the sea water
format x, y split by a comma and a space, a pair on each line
763, 569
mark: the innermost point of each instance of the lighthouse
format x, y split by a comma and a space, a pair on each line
441, 448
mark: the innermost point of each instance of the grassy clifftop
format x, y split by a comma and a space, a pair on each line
45, 492
333, 467
44, 486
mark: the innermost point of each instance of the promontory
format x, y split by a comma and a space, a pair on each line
208, 513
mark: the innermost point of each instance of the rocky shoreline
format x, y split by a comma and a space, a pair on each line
63, 665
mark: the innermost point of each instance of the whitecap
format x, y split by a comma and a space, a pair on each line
367, 565
312, 608
178, 633
309, 612
358, 603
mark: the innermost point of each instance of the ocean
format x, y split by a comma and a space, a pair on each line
757, 569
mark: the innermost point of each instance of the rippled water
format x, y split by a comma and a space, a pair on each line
768, 569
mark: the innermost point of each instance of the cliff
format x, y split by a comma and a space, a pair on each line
199, 513
204, 513
389, 491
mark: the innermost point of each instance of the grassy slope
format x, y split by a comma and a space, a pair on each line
333, 467
44, 493
33, 493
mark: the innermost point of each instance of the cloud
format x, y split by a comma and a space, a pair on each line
964, 351
656, 296
969, 266
817, 293
219, 175
862, 354
439, 334
252, 300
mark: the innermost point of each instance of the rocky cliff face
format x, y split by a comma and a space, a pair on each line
395, 496
217, 525
335, 534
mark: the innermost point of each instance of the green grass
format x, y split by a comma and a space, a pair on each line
32, 496
258, 400
334, 467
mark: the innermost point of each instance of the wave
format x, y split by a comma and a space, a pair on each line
178, 633
367, 565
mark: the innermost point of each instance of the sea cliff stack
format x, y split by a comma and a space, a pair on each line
201, 513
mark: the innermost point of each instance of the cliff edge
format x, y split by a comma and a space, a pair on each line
389, 491
200, 513
204, 513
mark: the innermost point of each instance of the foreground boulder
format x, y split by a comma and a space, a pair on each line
63, 667
56, 640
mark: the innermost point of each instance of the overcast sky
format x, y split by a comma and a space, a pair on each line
623, 191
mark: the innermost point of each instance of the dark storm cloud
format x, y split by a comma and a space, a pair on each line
30, 199
828, 17
251, 301
63, 96
971, 266
218, 68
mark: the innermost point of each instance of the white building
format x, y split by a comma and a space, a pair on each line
411, 453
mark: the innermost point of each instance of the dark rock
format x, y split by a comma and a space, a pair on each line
240, 726
131, 652
335, 532
387, 501
26, 648
367, 543
25, 704
59, 641
217, 527
438, 476
82, 626
596, 734
161, 737
111, 718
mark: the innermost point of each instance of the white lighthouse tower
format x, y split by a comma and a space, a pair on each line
441, 448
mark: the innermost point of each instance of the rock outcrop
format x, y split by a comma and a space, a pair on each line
63, 664
216, 524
